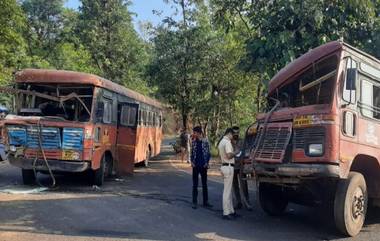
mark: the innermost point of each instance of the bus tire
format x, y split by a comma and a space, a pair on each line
350, 204
147, 157
28, 176
272, 199
99, 173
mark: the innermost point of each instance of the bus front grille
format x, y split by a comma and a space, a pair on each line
274, 142
304, 136
50, 137
72, 138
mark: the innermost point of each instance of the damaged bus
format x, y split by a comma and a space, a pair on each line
318, 142
74, 122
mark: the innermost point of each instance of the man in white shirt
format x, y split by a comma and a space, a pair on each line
227, 154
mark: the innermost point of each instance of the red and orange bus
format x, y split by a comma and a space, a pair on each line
73, 122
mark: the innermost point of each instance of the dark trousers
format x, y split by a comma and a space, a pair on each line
236, 186
203, 172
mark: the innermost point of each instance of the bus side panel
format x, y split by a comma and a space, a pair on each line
107, 142
141, 143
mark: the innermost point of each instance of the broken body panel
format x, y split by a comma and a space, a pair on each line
79, 120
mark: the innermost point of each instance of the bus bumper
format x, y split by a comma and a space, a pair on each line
55, 165
294, 172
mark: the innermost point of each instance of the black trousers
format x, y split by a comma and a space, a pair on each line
203, 172
235, 185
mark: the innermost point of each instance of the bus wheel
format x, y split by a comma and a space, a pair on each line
272, 199
350, 205
100, 172
108, 168
28, 177
147, 157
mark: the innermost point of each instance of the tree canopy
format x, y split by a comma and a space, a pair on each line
211, 61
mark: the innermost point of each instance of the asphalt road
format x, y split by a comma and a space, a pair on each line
153, 204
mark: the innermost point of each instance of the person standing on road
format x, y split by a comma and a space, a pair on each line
200, 157
185, 146
227, 155
237, 144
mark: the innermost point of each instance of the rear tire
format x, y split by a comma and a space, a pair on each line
28, 177
350, 205
272, 199
99, 173
147, 157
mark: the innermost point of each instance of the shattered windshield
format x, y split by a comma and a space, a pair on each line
69, 102
313, 86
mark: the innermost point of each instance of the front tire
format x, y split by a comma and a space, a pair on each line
28, 177
350, 205
99, 173
272, 199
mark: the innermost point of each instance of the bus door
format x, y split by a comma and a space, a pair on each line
126, 137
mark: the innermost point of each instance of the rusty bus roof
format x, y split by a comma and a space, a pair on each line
45, 76
285, 74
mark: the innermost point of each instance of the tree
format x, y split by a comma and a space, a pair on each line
106, 29
194, 67
44, 27
12, 44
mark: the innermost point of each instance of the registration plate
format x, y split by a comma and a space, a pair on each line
70, 155
301, 121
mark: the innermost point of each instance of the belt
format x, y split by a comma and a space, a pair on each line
228, 164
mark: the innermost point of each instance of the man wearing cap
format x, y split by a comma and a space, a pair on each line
200, 157
227, 155
237, 145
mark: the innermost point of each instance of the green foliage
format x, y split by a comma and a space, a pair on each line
194, 67
106, 29
12, 44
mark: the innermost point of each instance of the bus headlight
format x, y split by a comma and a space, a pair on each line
12, 148
315, 150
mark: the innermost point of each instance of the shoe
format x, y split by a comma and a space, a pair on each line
207, 205
194, 206
227, 217
239, 206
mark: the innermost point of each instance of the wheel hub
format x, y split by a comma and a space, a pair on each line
358, 204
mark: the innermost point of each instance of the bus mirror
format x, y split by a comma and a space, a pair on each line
99, 111
351, 79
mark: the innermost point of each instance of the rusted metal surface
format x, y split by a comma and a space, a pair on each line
285, 74
70, 77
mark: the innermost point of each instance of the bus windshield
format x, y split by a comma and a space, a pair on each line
68, 102
312, 86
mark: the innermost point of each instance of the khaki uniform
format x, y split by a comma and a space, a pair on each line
227, 169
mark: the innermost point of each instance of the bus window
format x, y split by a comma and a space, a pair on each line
150, 118
132, 116
349, 91
370, 99
107, 115
128, 116
145, 119
140, 117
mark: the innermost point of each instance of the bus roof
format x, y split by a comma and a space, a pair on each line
284, 75
45, 76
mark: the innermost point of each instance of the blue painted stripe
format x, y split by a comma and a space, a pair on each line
16, 135
72, 138
50, 136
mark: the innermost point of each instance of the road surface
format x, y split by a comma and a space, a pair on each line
153, 204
